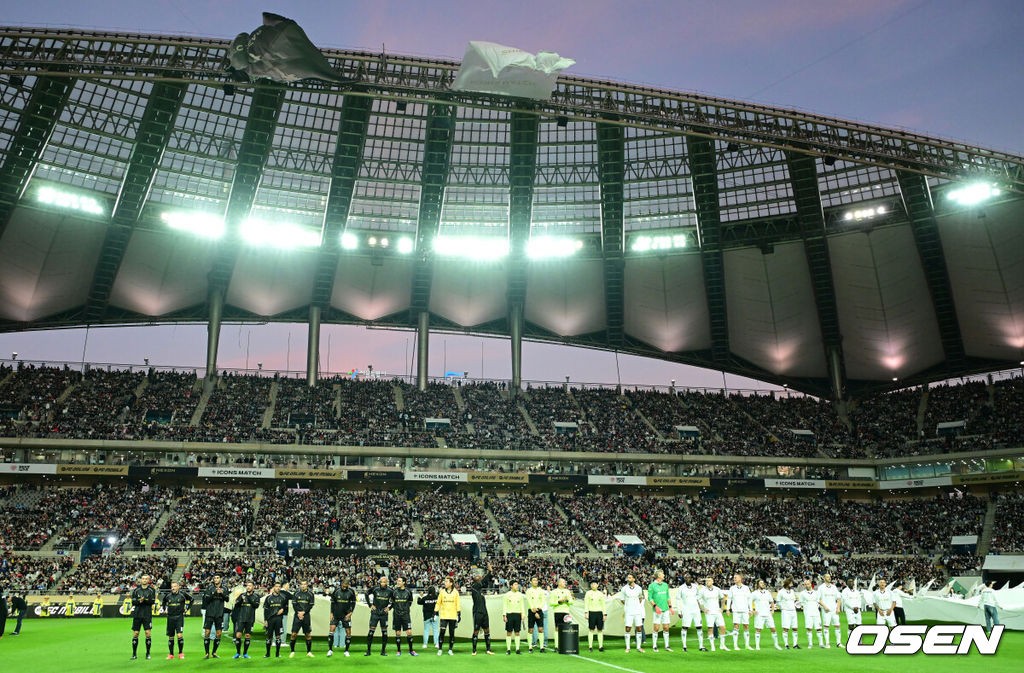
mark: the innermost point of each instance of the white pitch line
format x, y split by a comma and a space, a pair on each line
605, 663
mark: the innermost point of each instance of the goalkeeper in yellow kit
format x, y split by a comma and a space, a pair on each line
595, 603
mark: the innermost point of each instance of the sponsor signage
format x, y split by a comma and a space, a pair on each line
557, 479
237, 472
915, 483
416, 475
993, 478
678, 481
836, 484
794, 483
616, 480
737, 483
375, 475
84, 609
309, 474
93, 469
30, 468
499, 477
144, 471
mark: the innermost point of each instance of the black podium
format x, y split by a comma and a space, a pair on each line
568, 638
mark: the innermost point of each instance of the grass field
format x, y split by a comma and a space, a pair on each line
66, 646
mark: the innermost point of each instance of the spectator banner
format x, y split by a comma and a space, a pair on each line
499, 477
615, 480
730, 483
915, 483
557, 479
375, 475
994, 478
678, 481
143, 471
863, 484
119, 470
309, 474
237, 472
30, 468
416, 475
794, 483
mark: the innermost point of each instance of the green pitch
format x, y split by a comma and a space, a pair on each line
65, 646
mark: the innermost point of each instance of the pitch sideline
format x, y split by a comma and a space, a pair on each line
605, 663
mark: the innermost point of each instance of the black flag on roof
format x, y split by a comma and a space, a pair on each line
279, 50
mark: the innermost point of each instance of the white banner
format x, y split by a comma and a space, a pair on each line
30, 468
616, 480
794, 483
414, 475
915, 483
494, 68
241, 472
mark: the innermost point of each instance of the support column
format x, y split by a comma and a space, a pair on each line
216, 310
423, 349
515, 320
835, 370
313, 347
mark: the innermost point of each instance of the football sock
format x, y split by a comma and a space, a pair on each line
245, 649
149, 645
238, 645
309, 644
206, 644
216, 644
135, 646
600, 638
666, 637
170, 645
408, 639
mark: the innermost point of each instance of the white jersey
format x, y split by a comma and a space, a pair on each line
762, 602
632, 598
884, 600
688, 598
898, 596
809, 599
738, 598
829, 596
711, 599
852, 599
787, 600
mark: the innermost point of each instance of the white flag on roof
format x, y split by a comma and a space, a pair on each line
494, 68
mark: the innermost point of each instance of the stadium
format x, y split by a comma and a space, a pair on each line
874, 275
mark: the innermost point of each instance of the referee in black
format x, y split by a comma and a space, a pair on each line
480, 619
143, 599
380, 600
176, 605
274, 607
343, 604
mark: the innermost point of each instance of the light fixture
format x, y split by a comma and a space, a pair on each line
204, 225
477, 248
973, 194
547, 247
372, 241
405, 245
69, 200
280, 235
658, 242
349, 241
864, 213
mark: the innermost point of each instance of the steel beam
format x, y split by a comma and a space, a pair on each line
215, 307
611, 160
524, 130
313, 347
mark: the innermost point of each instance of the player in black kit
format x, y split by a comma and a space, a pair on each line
213, 603
143, 599
302, 601
274, 606
244, 614
480, 619
401, 599
177, 605
343, 604
379, 599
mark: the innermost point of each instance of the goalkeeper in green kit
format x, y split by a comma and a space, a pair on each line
657, 594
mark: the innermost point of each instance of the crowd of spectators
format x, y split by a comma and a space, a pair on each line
497, 422
948, 403
1008, 530
600, 517
781, 415
209, 519
170, 398
299, 406
377, 520
117, 573
97, 407
533, 523
235, 410
130, 511
33, 573
312, 512
30, 392
616, 424
885, 423
444, 513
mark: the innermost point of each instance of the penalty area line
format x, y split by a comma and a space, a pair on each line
605, 663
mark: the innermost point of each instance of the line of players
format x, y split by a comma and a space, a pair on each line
442, 610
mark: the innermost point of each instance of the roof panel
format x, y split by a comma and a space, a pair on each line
162, 272
469, 294
370, 290
665, 302
566, 298
269, 282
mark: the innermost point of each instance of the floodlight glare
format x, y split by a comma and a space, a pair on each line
651, 242
477, 248
349, 241
283, 235
204, 225
641, 244
405, 245
547, 247
69, 200
974, 194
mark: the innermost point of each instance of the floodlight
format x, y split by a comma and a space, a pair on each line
477, 248
405, 245
280, 235
204, 225
349, 241
970, 195
547, 247
111, 539
372, 241
641, 244
69, 200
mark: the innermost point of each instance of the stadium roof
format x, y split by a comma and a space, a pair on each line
761, 241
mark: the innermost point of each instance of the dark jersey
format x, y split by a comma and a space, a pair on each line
177, 604
302, 601
343, 601
379, 598
274, 604
213, 601
143, 599
476, 590
401, 599
245, 607
287, 599
429, 602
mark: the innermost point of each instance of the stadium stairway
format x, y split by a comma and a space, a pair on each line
256, 500
922, 410
565, 515
647, 422
526, 417
159, 527
987, 528
268, 415
459, 402
505, 544
7, 378
204, 399
399, 399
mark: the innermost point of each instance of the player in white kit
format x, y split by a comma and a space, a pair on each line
632, 597
687, 604
739, 604
764, 606
828, 598
852, 604
810, 599
885, 604
787, 600
711, 600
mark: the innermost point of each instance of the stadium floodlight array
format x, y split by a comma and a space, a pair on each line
658, 242
69, 200
973, 194
198, 223
475, 248
405, 245
865, 213
349, 241
549, 247
279, 235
